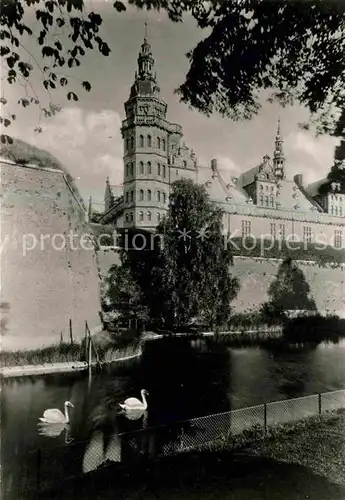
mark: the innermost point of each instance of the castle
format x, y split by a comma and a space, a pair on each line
264, 202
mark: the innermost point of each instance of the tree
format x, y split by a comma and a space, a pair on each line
295, 49
190, 278
336, 177
123, 295
289, 290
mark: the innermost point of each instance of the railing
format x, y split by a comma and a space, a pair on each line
49, 468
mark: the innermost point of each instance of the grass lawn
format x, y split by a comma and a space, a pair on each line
58, 353
307, 462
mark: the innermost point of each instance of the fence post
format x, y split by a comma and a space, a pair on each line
265, 417
70, 331
320, 409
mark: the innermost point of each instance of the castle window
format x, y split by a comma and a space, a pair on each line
273, 230
184, 164
272, 201
261, 187
164, 198
149, 141
127, 197
127, 170
331, 209
158, 217
163, 145
307, 234
141, 195
127, 144
141, 141
127, 217
266, 200
336, 210
164, 171
131, 217
282, 231
261, 199
266, 187
158, 169
132, 142
141, 216
176, 172
132, 195
158, 196
149, 195
246, 228
141, 167
149, 216
158, 143
132, 169
149, 170
272, 189
338, 239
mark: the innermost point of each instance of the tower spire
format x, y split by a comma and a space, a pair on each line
278, 155
145, 38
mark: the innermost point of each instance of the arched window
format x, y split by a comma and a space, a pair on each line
158, 142
141, 216
164, 198
127, 170
149, 216
132, 169
164, 171
149, 170
127, 217
127, 197
141, 167
158, 217
141, 195
158, 196
149, 195
149, 141
141, 141
261, 187
127, 143
132, 195
158, 169
163, 145
131, 217
184, 164
132, 142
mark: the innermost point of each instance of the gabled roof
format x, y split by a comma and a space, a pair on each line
219, 189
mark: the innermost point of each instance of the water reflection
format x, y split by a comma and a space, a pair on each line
184, 380
55, 430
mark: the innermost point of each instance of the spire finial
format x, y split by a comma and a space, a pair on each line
278, 129
145, 31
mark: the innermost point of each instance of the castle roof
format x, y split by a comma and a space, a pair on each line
219, 189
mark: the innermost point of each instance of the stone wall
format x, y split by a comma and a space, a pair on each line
327, 284
49, 271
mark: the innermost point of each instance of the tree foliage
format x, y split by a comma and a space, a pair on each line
289, 290
295, 49
123, 295
191, 277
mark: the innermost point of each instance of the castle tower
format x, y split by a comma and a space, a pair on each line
278, 155
145, 133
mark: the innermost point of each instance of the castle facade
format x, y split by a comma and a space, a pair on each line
264, 202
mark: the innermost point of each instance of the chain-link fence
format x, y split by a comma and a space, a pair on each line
51, 467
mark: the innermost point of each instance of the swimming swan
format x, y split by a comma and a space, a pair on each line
53, 416
134, 403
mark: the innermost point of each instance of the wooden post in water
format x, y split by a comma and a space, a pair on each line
61, 338
320, 409
38, 467
86, 341
70, 331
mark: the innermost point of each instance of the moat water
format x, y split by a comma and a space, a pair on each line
185, 379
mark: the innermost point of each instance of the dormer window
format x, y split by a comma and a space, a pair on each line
184, 164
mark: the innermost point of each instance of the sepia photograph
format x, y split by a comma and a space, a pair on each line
172, 249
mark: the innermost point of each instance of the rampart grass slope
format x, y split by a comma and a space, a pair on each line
49, 269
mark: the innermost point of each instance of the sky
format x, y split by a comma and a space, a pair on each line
85, 135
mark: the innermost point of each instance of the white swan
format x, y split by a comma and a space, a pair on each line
53, 415
134, 403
